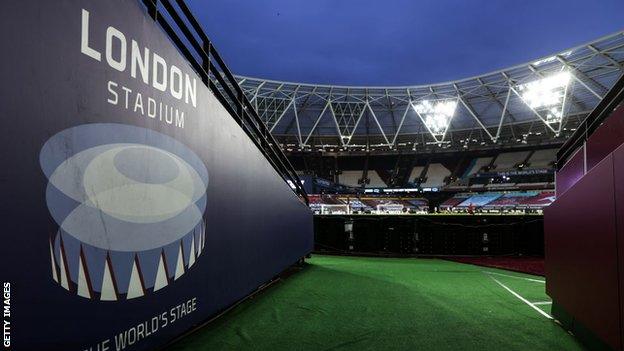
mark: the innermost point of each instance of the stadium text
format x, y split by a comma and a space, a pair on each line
136, 333
146, 107
145, 65
6, 314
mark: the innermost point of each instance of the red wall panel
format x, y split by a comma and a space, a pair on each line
606, 138
601, 143
571, 172
618, 175
582, 252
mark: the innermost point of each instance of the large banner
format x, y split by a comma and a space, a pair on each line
133, 206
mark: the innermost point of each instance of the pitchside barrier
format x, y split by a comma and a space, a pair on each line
410, 235
139, 188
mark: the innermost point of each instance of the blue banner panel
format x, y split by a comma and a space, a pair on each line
134, 206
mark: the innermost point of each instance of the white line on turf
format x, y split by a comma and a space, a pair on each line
542, 303
513, 276
522, 298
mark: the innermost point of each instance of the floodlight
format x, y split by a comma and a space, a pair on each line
547, 94
436, 115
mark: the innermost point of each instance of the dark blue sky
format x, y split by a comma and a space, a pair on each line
396, 42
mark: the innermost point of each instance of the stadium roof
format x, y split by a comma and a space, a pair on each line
535, 103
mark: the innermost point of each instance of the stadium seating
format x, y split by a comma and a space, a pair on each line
518, 200
416, 171
375, 180
373, 202
479, 200
436, 173
367, 203
476, 166
350, 178
510, 200
356, 204
509, 160
517, 170
542, 158
539, 201
315, 202
421, 204
515, 200
454, 201
315, 199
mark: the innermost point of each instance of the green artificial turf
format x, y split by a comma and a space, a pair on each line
354, 303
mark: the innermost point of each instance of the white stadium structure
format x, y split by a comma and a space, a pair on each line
538, 103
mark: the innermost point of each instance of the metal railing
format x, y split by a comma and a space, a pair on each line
603, 110
186, 33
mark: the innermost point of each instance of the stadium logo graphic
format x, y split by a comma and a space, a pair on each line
129, 203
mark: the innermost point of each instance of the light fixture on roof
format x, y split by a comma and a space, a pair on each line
551, 58
436, 115
547, 95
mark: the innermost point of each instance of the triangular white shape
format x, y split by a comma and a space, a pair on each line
191, 259
179, 265
54, 273
135, 288
430, 114
327, 110
161, 275
542, 97
198, 249
348, 117
200, 243
83, 284
203, 235
64, 279
108, 288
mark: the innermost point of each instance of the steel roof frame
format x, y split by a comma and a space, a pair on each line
490, 108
